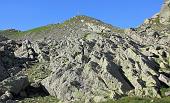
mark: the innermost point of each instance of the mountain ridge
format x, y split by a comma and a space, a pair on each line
70, 23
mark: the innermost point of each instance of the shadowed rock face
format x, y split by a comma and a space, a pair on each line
165, 13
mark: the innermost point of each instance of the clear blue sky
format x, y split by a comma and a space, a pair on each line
27, 14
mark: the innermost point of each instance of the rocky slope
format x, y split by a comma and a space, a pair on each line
86, 60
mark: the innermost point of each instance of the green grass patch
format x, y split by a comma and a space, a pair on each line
37, 72
163, 90
156, 20
139, 100
85, 36
50, 99
103, 34
46, 99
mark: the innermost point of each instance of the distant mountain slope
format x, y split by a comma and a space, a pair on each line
77, 25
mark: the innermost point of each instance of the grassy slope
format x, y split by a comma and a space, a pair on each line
140, 100
143, 100
50, 99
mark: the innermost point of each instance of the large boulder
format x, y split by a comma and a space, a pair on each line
165, 13
164, 79
14, 84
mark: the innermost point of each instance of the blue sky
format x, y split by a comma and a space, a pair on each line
28, 14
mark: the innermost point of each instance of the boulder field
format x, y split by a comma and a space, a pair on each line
86, 60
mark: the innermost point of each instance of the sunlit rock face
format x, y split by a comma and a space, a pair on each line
165, 13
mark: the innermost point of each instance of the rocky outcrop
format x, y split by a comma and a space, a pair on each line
98, 28
42, 51
165, 13
12, 57
100, 67
12, 62
25, 51
85, 60
94, 79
